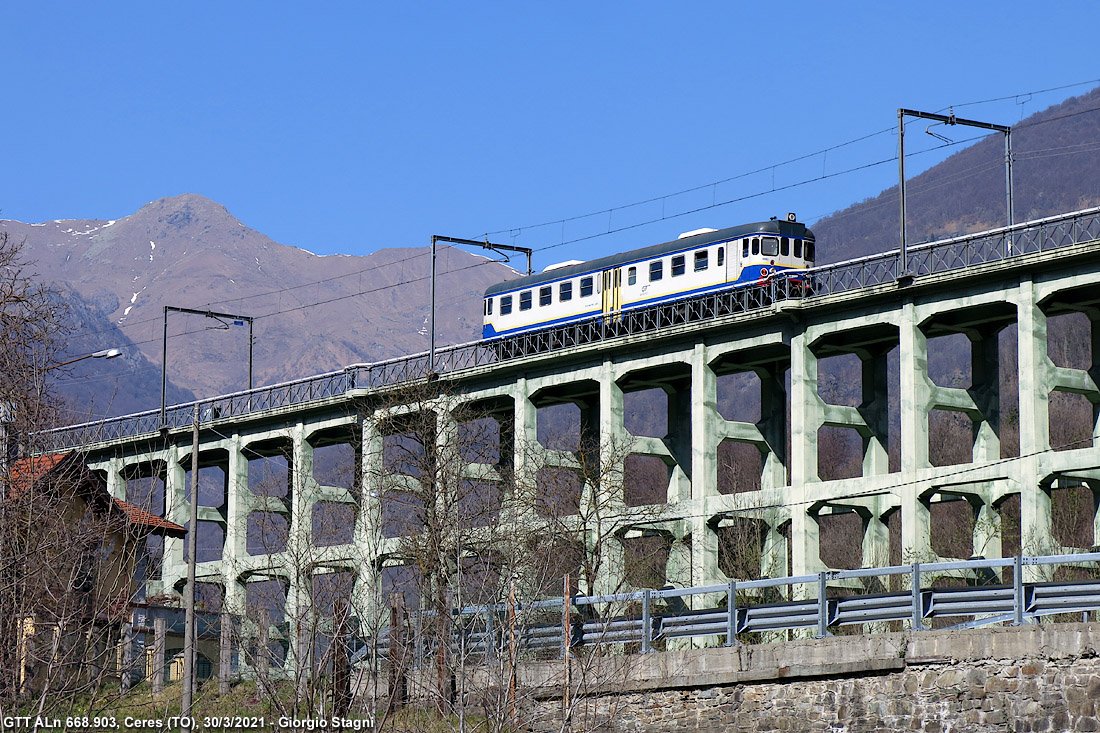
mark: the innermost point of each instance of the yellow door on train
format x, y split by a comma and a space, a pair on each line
612, 294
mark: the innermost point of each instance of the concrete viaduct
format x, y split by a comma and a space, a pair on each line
875, 309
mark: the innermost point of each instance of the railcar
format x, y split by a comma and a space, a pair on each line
698, 262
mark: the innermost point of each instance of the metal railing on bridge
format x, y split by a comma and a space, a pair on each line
961, 594
950, 254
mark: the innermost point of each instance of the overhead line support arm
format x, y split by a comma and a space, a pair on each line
499, 248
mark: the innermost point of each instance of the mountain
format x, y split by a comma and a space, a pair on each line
312, 313
1056, 168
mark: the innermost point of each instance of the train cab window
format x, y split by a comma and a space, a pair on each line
505, 305
565, 291
677, 265
545, 294
525, 300
702, 260
632, 276
656, 270
784, 246
798, 248
809, 250
769, 246
756, 245
586, 287
721, 256
745, 248
488, 306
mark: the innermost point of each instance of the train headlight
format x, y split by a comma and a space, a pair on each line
791, 217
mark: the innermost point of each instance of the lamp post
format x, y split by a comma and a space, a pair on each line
7, 409
189, 595
499, 248
103, 354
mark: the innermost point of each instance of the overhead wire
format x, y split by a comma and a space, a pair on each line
628, 227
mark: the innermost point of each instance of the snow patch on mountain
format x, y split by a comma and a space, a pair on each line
133, 299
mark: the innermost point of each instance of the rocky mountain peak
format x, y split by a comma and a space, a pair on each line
186, 215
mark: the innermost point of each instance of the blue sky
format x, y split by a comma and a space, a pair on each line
342, 127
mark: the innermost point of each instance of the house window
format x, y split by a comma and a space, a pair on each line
677, 265
505, 305
525, 300
586, 287
544, 295
656, 270
565, 291
702, 260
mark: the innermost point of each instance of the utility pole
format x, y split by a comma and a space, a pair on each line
903, 254
189, 593
498, 248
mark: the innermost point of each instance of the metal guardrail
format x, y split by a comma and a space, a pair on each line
646, 618
950, 254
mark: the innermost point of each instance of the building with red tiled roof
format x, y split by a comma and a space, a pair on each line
138, 517
69, 468
76, 552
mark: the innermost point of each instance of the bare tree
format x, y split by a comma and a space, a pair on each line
67, 549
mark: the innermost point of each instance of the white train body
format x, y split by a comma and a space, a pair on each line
696, 263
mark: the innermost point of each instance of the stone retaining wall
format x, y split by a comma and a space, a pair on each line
1031, 678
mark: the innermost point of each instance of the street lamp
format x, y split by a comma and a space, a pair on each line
7, 409
103, 354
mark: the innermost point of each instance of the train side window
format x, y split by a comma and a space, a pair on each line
798, 248
745, 248
702, 260
677, 265
632, 276
586, 287
809, 250
505, 305
525, 300
488, 306
721, 256
565, 291
784, 246
756, 245
656, 270
545, 294
769, 246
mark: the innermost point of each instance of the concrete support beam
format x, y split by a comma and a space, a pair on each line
807, 417
1035, 385
915, 400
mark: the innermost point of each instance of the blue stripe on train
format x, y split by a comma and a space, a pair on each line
488, 332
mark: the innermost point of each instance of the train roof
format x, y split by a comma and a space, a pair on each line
779, 227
